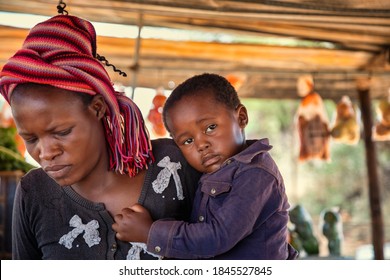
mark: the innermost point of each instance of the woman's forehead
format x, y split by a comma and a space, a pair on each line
41, 92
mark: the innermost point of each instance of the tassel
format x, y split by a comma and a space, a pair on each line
130, 146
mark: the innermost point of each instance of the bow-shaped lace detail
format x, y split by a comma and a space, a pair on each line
136, 249
162, 180
91, 234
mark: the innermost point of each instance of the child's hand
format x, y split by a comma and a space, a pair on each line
133, 224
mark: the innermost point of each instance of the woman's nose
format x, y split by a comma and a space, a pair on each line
48, 149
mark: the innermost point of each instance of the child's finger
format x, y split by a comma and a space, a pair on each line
138, 208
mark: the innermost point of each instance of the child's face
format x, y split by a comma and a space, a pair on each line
207, 132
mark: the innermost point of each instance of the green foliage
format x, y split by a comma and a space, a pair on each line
10, 159
341, 182
269, 117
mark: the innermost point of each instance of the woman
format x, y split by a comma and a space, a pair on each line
94, 151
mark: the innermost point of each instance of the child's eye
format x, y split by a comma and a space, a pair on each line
211, 128
188, 141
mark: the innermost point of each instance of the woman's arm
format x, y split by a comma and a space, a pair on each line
24, 244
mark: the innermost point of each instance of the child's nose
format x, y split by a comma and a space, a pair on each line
203, 145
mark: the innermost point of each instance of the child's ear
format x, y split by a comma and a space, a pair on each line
98, 106
242, 116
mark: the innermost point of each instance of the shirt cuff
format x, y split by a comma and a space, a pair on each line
161, 237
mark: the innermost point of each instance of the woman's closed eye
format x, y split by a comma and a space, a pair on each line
64, 132
30, 140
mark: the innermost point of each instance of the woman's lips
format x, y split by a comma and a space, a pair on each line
56, 171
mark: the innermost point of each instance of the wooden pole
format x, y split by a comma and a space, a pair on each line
377, 230
136, 55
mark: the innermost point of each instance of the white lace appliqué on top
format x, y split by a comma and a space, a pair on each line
91, 234
162, 180
136, 249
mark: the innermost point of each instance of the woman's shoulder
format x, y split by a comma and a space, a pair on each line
35, 174
163, 147
163, 142
36, 187
165, 151
36, 178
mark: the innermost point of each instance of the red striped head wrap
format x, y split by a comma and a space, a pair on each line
61, 52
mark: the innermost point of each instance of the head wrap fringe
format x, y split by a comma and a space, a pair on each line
61, 52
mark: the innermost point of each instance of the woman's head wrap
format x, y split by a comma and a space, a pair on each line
61, 52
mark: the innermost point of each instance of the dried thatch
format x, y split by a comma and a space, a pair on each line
359, 29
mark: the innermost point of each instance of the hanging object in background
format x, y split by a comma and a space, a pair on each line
155, 113
312, 122
6, 119
346, 127
381, 130
236, 80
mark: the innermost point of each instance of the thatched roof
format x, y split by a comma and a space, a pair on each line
358, 29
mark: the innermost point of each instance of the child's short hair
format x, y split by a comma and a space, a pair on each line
214, 84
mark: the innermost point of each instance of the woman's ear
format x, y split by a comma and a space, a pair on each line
98, 106
242, 116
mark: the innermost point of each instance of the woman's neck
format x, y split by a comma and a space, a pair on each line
115, 191
101, 182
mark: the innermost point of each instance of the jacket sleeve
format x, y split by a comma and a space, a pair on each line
226, 223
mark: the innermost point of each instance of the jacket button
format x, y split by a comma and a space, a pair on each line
113, 247
213, 191
157, 249
201, 218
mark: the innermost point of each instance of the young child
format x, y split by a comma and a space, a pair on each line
240, 209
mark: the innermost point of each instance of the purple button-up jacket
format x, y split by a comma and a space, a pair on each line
240, 212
